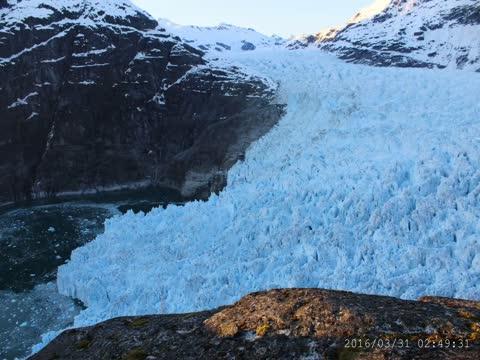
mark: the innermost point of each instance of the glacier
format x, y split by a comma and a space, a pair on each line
369, 183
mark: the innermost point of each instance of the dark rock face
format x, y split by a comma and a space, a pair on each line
248, 46
288, 324
421, 33
98, 97
466, 15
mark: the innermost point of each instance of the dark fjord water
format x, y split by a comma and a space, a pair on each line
34, 241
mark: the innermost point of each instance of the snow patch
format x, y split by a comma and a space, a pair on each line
94, 52
32, 115
53, 60
21, 102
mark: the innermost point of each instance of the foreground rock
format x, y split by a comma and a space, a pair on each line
288, 324
94, 95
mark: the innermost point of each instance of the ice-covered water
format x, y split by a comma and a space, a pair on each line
34, 241
26, 315
370, 183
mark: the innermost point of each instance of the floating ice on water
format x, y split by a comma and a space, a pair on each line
26, 315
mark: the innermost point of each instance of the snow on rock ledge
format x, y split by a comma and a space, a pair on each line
370, 183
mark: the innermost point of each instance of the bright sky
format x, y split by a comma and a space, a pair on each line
282, 17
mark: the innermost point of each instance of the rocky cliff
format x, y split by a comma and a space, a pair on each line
408, 33
288, 324
94, 95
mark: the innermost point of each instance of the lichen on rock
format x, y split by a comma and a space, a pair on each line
288, 324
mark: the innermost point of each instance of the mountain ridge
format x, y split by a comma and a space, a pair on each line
408, 33
110, 11
222, 38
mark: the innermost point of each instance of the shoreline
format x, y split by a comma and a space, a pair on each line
148, 192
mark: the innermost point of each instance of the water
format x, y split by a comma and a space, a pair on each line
34, 241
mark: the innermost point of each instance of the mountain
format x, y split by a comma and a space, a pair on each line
222, 38
93, 95
408, 33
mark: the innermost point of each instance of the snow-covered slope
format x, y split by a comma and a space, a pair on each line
368, 12
409, 33
91, 11
365, 185
221, 38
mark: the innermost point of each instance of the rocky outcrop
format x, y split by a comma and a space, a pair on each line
408, 33
288, 324
93, 95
